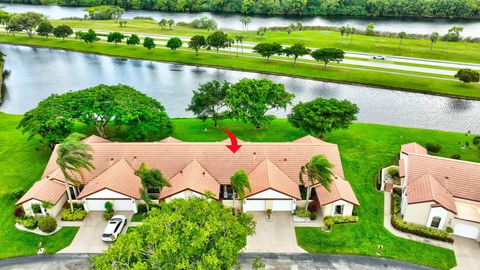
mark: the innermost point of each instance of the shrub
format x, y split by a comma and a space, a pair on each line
312, 207
393, 172
313, 216
47, 224
19, 213
330, 220
155, 205
108, 206
302, 213
433, 147
449, 230
77, 215
29, 223
78, 206
18, 193
476, 140
142, 208
455, 156
107, 215
36, 208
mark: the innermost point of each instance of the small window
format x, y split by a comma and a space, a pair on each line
153, 190
435, 222
338, 209
73, 192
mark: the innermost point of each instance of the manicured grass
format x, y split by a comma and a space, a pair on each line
453, 51
396, 81
20, 167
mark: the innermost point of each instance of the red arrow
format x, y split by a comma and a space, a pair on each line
234, 146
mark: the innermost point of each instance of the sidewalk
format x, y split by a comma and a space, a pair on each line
388, 225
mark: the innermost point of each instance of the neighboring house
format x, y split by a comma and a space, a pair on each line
195, 169
440, 192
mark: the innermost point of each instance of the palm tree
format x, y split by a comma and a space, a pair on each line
239, 39
72, 157
318, 171
151, 178
239, 182
401, 36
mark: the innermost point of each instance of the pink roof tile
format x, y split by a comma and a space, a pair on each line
193, 177
308, 139
339, 190
44, 190
95, 139
228, 141
170, 140
414, 148
428, 189
268, 176
120, 178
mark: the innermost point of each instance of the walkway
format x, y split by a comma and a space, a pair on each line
388, 225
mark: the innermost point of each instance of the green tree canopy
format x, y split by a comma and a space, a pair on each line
197, 42
163, 23
115, 37
433, 39
133, 40
318, 171
27, 22
88, 37
152, 178
323, 115
401, 36
267, 49
62, 31
296, 50
217, 40
250, 100
170, 23
209, 101
205, 233
4, 17
174, 43
44, 28
327, 55
149, 43
467, 75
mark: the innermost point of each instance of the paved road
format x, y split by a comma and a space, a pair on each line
272, 261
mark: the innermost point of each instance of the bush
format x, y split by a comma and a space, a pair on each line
18, 193
393, 172
36, 208
77, 215
47, 224
19, 213
142, 208
28, 222
455, 156
312, 207
78, 206
108, 206
302, 213
313, 216
449, 230
433, 147
476, 140
330, 220
107, 215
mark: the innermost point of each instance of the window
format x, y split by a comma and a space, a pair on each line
73, 192
338, 210
435, 222
154, 190
227, 192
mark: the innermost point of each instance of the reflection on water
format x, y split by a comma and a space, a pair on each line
37, 73
3, 86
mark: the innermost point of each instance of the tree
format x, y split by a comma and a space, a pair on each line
197, 42
44, 28
267, 49
245, 20
122, 23
299, 27
163, 23
133, 40
239, 182
467, 75
290, 29
433, 39
170, 23
454, 33
174, 43
327, 55
4, 17
115, 37
217, 40
27, 22
72, 157
401, 36
149, 43
296, 50
207, 233
250, 100
370, 29
89, 37
62, 31
318, 171
209, 101
261, 31
320, 116
151, 178
239, 40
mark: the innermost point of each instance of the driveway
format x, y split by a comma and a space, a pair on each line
88, 238
275, 236
467, 252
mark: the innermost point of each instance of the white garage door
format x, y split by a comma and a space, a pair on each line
282, 205
118, 205
465, 230
254, 205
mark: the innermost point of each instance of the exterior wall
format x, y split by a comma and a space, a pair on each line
269, 194
184, 195
107, 194
27, 206
301, 204
328, 209
57, 207
437, 212
454, 221
417, 213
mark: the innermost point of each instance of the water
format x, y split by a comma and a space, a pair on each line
232, 21
35, 73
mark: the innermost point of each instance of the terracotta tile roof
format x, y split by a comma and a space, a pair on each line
339, 190
120, 178
44, 190
193, 177
414, 148
459, 178
227, 141
268, 176
428, 189
170, 140
95, 139
217, 159
308, 139
401, 169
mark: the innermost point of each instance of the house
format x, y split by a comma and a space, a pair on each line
196, 169
440, 192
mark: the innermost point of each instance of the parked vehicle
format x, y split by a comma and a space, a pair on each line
378, 57
114, 228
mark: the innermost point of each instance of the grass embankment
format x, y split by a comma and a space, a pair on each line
375, 78
20, 167
453, 51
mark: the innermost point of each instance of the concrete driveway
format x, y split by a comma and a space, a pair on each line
88, 238
275, 236
467, 252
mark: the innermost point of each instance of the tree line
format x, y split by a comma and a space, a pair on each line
397, 8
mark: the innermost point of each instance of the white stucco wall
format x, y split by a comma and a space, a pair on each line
107, 194
437, 212
328, 209
184, 195
269, 194
417, 213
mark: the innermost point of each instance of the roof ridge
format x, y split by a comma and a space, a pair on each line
448, 159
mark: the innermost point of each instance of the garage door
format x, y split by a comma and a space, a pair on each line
465, 230
254, 205
282, 205
118, 205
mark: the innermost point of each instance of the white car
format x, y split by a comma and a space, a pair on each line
114, 228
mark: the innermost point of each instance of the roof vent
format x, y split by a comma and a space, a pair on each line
111, 159
181, 171
134, 157
254, 153
203, 173
446, 177
284, 159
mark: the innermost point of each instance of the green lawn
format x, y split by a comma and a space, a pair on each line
375, 78
453, 51
20, 167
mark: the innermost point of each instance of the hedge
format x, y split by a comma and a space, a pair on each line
77, 215
399, 224
330, 220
